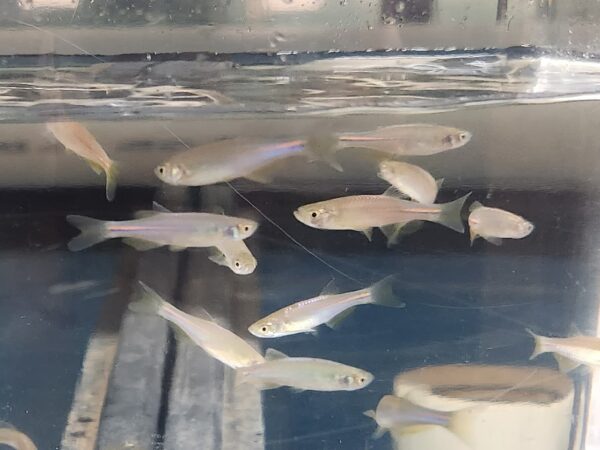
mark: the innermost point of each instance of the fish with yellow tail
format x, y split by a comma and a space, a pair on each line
215, 340
329, 308
400, 414
14, 438
302, 374
77, 138
493, 224
388, 211
234, 254
569, 352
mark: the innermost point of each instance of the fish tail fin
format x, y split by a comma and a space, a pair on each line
323, 148
112, 174
450, 215
149, 302
382, 293
539, 344
92, 230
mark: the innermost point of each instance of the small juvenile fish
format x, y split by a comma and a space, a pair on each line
569, 352
215, 340
409, 139
493, 224
400, 414
329, 307
303, 374
235, 255
411, 180
152, 229
235, 158
388, 211
76, 138
14, 438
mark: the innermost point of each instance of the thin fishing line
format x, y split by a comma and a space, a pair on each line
272, 222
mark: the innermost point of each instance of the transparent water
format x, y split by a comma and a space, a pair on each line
75, 362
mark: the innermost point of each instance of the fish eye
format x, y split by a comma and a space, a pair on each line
237, 264
362, 380
463, 136
161, 170
264, 329
246, 228
314, 214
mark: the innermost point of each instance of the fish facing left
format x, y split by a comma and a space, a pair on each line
303, 374
569, 352
77, 138
14, 438
235, 255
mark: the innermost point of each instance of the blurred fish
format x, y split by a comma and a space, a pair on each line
409, 139
235, 255
152, 229
14, 438
400, 414
329, 307
411, 180
235, 158
76, 138
303, 374
215, 340
388, 211
569, 352
493, 224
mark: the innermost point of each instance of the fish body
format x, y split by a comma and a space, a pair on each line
217, 341
409, 139
327, 308
14, 438
154, 229
575, 349
236, 255
76, 138
304, 374
411, 180
495, 224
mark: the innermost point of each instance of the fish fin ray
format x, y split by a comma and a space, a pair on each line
394, 192
335, 322
93, 231
330, 288
450, 214
271, 355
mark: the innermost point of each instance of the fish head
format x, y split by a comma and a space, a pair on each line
390, 170
170, 173
525, 227
316, 215
356, 379
267, 328
243, 263
242, 229
456, 138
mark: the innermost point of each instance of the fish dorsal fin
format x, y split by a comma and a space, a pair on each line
335, 322
439, 183
272, 355
393, 192
143, 214
492, 239
330, 289
475, 205
202, 313
157, 207
368, 232
141, 244
216, 209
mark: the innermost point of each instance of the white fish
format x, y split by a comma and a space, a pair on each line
234, 254
14, 438
569, 352
400, 414
329, 307
215, 340
303, 374
409, 139
76, 138
493, 224
388, 211
413, 181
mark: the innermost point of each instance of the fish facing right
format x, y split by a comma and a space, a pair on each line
414, 181
493, 224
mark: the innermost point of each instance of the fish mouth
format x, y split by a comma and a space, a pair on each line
298, 216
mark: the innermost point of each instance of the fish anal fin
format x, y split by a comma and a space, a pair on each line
176, 248
271, 354
141, 244
157, 207
493, 240
393, 232
330, 289
335, 322
565, 365
144, 214
394, 192
296, 390
95, 166
368, 232
378, 433
262, 176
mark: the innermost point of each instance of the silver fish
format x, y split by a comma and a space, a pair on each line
14, 438
234, 158
153, 229
493, 224
409, 139
234, 254
329, 308
217, 341
411, 180
387, 211
400, 414
303, 374
569, 352
76, 138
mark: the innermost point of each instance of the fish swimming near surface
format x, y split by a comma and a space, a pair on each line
413, 181
330, 308
569, 352
234, 254
14, 438
493, 224
229, 159
389, 212
76, 138
408, 139
303, 374
406, 417
215, 340
152, 229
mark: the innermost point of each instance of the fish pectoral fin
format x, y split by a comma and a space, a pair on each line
473, 235
330, 289
565, 365
264, 386
439, 183
157, 207
493, 240
141, 244
271, 354
262, 176
218, 257
177, 248
335, 322
179, 334
378, 433
313, 331
474, 206
368, 232
394, 232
